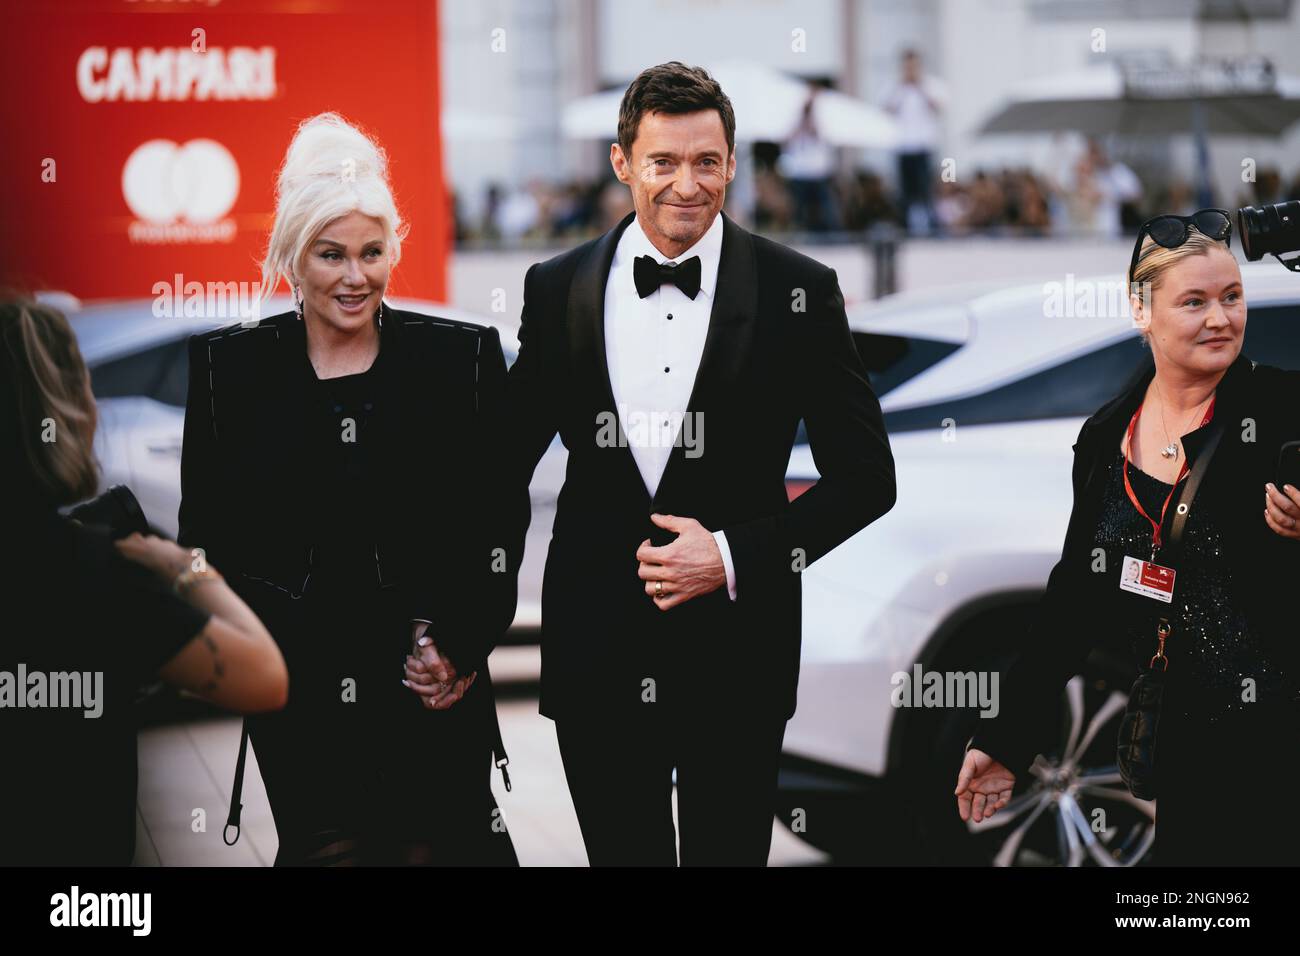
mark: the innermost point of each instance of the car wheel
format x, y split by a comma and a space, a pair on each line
1070, 809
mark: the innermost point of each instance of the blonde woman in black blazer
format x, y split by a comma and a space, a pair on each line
339, 465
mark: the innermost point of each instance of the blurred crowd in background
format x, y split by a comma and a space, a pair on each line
805, 185
1094, 197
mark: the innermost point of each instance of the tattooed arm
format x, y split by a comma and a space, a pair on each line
232, 662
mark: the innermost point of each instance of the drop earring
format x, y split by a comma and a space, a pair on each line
380, 314
297, 302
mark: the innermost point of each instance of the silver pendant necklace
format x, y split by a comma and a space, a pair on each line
1170, 450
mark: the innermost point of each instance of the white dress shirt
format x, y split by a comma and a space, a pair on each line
919, 130
653, 348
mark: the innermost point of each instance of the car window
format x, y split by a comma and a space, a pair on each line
1273, 336
174, 385
1077, 388
1073, 389
150, 373
891, 360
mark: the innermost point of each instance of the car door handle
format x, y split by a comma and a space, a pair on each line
170, 449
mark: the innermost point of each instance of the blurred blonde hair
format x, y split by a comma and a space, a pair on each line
1155, 261
331, 169
46, 390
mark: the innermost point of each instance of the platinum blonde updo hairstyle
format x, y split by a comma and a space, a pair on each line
331, 169
1154, 260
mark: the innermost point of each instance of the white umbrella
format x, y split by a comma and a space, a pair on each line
1211, 97
1248, 100
768, 105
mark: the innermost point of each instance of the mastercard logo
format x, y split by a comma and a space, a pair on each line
165, 182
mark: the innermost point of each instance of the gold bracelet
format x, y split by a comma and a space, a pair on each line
189, 577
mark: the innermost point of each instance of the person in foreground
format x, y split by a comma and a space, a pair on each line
91, 618
1217, 612
675, 355
339, 461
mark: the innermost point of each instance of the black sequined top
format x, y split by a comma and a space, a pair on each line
1212, 650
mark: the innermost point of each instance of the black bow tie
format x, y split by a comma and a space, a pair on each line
650, 275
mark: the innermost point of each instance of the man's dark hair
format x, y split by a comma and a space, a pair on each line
672, 88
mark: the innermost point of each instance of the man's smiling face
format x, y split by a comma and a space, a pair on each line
678, 172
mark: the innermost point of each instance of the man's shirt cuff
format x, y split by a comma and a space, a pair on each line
721, 538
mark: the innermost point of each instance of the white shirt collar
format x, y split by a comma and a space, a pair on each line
708, 247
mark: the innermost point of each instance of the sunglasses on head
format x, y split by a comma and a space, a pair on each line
1171, 231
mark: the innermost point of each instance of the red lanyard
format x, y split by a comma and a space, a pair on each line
1182, 473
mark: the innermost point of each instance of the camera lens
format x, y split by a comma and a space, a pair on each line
1269, 229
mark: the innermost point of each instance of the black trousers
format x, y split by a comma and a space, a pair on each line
914, 184
619, 771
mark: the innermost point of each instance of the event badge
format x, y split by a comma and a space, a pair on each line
1148, 579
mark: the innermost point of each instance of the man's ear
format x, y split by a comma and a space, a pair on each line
731, 167
619, 162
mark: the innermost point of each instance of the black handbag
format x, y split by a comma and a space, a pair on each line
1135, 748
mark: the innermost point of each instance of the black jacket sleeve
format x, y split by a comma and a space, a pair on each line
1052, 651
479, 581
530, 421
533, 419
200, 522
846, 433
1277, 558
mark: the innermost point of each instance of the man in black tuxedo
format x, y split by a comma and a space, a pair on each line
675, 355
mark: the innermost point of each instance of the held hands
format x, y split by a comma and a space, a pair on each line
1282, 510
983, 786
688, 567
432, 676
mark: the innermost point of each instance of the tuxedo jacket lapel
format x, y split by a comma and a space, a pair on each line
587, 315
587, 342
726, 346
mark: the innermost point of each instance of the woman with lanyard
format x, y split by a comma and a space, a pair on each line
1184, 563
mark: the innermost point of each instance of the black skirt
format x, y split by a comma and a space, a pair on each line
356, 769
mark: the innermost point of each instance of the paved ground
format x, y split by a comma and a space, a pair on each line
188, 767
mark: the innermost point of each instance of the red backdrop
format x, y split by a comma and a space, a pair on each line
91, 209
